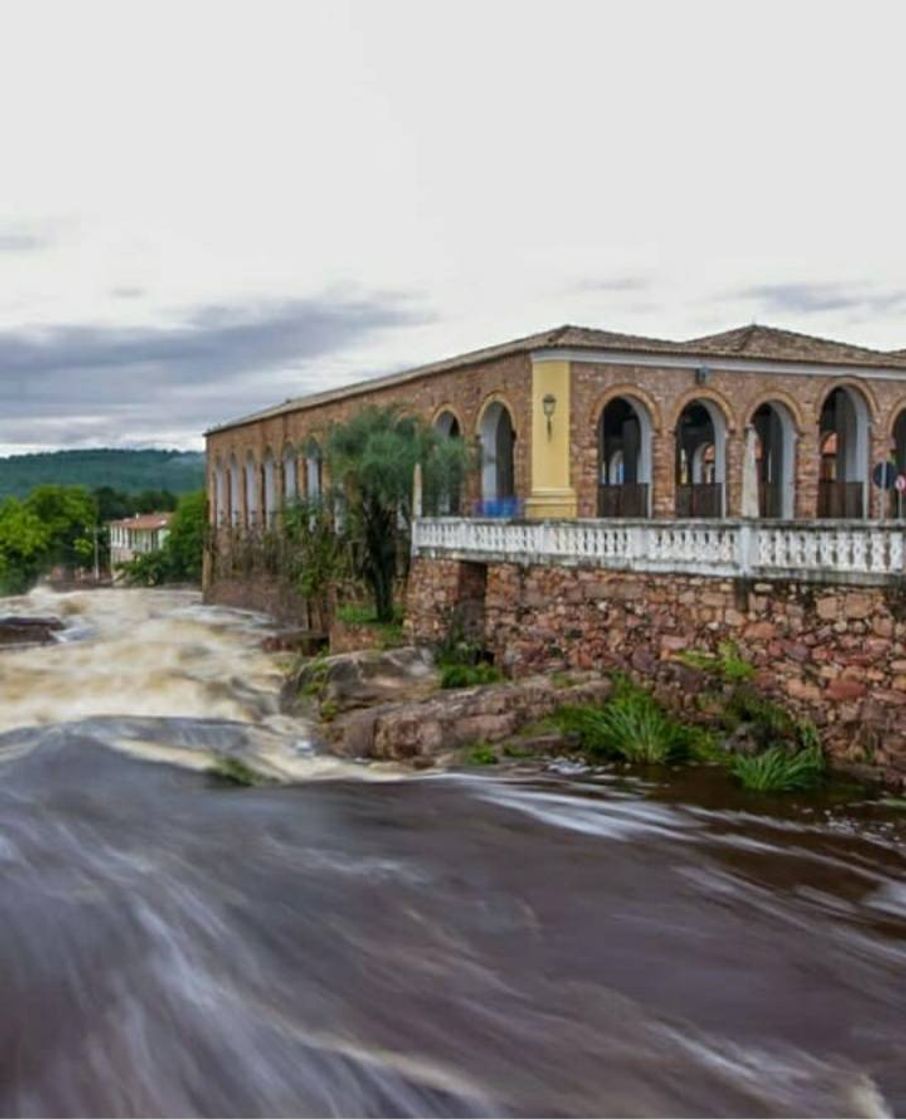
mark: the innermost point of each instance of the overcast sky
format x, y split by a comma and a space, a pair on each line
208, 208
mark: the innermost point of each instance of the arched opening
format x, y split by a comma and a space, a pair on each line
270, 489
701, 467
235, 482
897, 497
313, 472
221, 501
290, 479
447, 502
251, 491
843, 440
769, 482
498, 467
624, 459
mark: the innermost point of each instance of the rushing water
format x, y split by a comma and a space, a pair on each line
410, 946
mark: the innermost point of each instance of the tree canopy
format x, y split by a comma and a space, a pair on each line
371, 460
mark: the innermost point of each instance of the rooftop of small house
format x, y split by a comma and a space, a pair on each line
753, 341
143, 521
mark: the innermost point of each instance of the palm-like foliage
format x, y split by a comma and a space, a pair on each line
371, 460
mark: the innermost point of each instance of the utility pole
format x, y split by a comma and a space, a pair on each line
97, 554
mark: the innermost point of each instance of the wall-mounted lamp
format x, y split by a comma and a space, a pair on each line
549, 405
702, 375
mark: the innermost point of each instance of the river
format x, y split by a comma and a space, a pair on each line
359, 942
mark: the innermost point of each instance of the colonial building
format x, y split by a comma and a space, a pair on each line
578, 423
133, 536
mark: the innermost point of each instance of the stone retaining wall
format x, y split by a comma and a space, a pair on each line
835, 655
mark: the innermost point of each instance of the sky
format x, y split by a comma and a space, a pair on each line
208, 208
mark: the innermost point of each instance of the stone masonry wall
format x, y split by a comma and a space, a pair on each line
465, 392
663, 390
835, 655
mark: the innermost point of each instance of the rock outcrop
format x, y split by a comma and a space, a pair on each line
423, 732
329, 686
16, 630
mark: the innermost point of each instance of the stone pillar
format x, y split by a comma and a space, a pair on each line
663, 474
552, 494
733, 465
882, 450
748, 502
807, 469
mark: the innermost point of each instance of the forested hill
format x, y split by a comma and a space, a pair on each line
129, 471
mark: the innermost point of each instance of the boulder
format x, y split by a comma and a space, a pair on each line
16, 630
350, 681
422, 732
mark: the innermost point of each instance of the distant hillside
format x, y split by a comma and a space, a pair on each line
130, 471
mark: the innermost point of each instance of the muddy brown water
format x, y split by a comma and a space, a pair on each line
358, 942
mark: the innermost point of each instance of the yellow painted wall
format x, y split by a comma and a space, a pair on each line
552, 495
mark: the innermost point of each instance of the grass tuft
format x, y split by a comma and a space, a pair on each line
777, 771
482, 754
630, 725
465, 676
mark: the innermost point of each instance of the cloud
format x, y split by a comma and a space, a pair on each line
814, 298
77, 384
613, 284
18, 238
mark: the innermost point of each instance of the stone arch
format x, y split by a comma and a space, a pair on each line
844, 446
448, 501
221, 500
794, 408
700, 439
314, 470
269, 472
713, 400
860, 388
496, 432
235, 489
290, 475
251, 490
448, 421
625, 438
636, 393
769, 462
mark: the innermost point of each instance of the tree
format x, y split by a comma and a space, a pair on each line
371, 461
24, 546
185, 542
69, 514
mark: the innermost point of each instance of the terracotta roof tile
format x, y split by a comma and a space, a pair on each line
756, 341
750, 341
144, 521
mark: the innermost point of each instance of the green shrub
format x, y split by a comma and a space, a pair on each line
482, 754
465, 676
631, 725
779, 771
236, 772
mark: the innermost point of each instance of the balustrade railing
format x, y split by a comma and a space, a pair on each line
869, 551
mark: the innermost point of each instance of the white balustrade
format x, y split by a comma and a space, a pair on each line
868, 551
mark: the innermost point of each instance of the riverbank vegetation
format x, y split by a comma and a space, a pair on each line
180, 558
761, 745
53, 527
